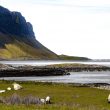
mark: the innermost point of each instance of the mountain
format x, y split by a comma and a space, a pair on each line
17, 39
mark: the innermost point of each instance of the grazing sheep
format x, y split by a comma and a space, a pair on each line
109, 98
16, 86
2, 91
9, 88
43, 101
47, 100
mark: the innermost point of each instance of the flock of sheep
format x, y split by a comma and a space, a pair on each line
18, 87
44, 101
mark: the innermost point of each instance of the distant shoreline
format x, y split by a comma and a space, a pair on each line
92, 85
49, 70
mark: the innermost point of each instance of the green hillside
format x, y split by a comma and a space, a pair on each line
66, 57
15, 49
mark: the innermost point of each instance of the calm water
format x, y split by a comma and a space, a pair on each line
41, 63
75, 77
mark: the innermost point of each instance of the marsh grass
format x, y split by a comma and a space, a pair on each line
63, 97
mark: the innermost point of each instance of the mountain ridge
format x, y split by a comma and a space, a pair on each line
17, 38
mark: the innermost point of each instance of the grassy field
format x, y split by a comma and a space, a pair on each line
63, 96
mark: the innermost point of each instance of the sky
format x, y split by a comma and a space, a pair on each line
70, 27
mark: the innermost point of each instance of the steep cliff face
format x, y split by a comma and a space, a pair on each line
14, 23
17, 39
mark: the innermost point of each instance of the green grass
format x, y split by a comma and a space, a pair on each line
18, 47
63, 96
66, 57
72, 65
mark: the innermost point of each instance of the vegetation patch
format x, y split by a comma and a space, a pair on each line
66, 57
63, 96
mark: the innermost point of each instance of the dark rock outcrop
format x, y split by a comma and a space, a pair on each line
10, 71
14, 23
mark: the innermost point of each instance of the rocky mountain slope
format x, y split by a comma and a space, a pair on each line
17, 39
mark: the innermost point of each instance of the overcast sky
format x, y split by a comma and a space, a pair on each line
71, 27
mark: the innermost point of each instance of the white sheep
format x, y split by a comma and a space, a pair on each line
109, 98
43, 101
48, 99
16, 86
9, 88
2, 91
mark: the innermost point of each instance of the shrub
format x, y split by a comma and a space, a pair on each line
16, 100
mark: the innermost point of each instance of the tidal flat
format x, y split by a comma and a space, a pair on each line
63, 96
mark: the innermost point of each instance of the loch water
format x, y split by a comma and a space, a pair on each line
74, 77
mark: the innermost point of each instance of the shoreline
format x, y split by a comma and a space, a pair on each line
58, 83
77, 67
49, 70
101, 86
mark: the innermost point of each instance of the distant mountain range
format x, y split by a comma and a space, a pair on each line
17, 39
